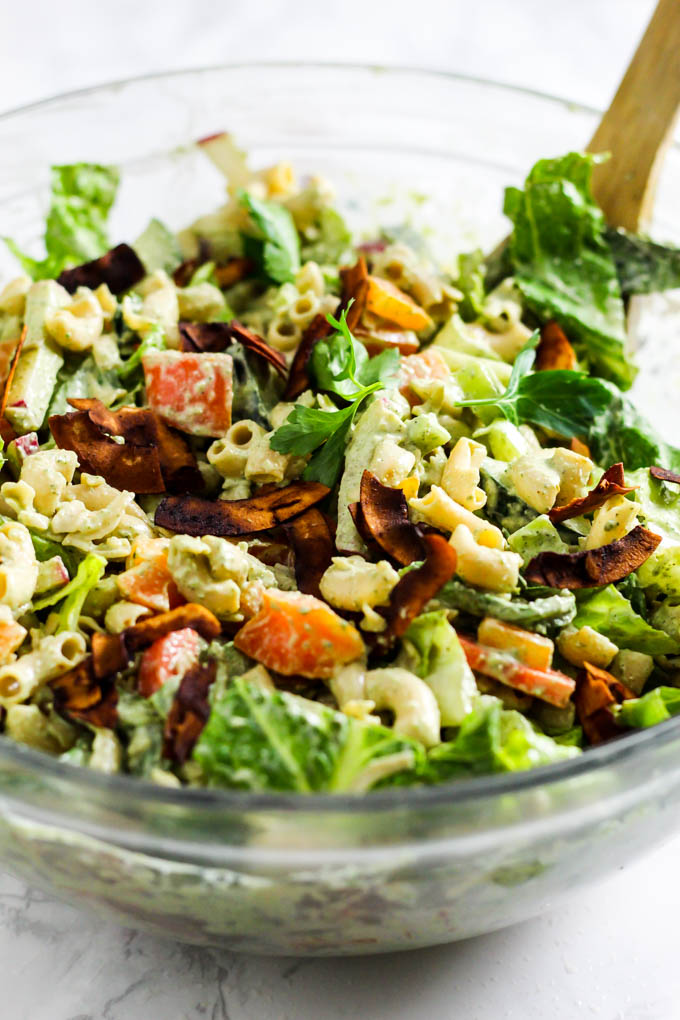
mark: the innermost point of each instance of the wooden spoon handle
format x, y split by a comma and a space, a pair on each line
638, 125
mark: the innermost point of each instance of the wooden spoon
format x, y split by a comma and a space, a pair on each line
638, 126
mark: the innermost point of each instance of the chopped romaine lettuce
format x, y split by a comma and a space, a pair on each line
609, 613
261, 740
158, 248
277, 243
652, 708
73, 595
494, 739
562, 263
82, 195
442, 665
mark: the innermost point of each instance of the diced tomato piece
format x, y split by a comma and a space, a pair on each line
169, 656
149, 583
427, 364
296, 634
533, 649
547, 685
190, 391
389, 302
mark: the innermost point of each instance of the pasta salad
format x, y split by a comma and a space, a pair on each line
283, 508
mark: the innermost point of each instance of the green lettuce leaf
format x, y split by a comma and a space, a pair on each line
562, 263
440, 661
609, 613
470, 282
279, 246
652, 708
494, 739
82, 196
158, 248
642, 265
261, 740
72, 595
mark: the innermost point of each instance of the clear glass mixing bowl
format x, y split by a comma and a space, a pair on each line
328, 875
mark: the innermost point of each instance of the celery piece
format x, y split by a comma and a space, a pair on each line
32, 387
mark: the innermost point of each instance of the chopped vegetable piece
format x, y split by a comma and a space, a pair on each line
296, 634
190, 391
554, 351
113, 652
533, 649
149, 583
593, 568
428, 364
170, 656
191, 515
12, 371
389, 302
546, 684
611, 484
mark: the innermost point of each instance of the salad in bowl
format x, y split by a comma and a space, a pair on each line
288, 509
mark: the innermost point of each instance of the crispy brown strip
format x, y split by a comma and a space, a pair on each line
120, 269
415, 589
354, 280
312, 541
81, 695
135, 468
592, 568
373, 550
217, 336
191, 515
153, 458
189, 712
385, 513
664, 475
611, 484
113, 652
596, 691
554, 350
10, 375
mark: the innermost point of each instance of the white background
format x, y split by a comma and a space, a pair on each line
611, 953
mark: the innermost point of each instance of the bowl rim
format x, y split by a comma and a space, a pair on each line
206, 799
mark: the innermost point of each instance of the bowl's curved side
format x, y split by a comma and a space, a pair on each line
437, 151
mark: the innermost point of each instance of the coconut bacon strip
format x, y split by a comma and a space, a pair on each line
120, 269
593, 568
313, 547
664, 475
611, 484
199, 337
189, 712
191, 515
415, 589
384, 512
596, 692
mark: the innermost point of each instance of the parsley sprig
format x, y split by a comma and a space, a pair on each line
341, 367
561, 400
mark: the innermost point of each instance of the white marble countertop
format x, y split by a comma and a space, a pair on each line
611, 952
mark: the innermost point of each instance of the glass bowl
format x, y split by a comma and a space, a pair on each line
328, 875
